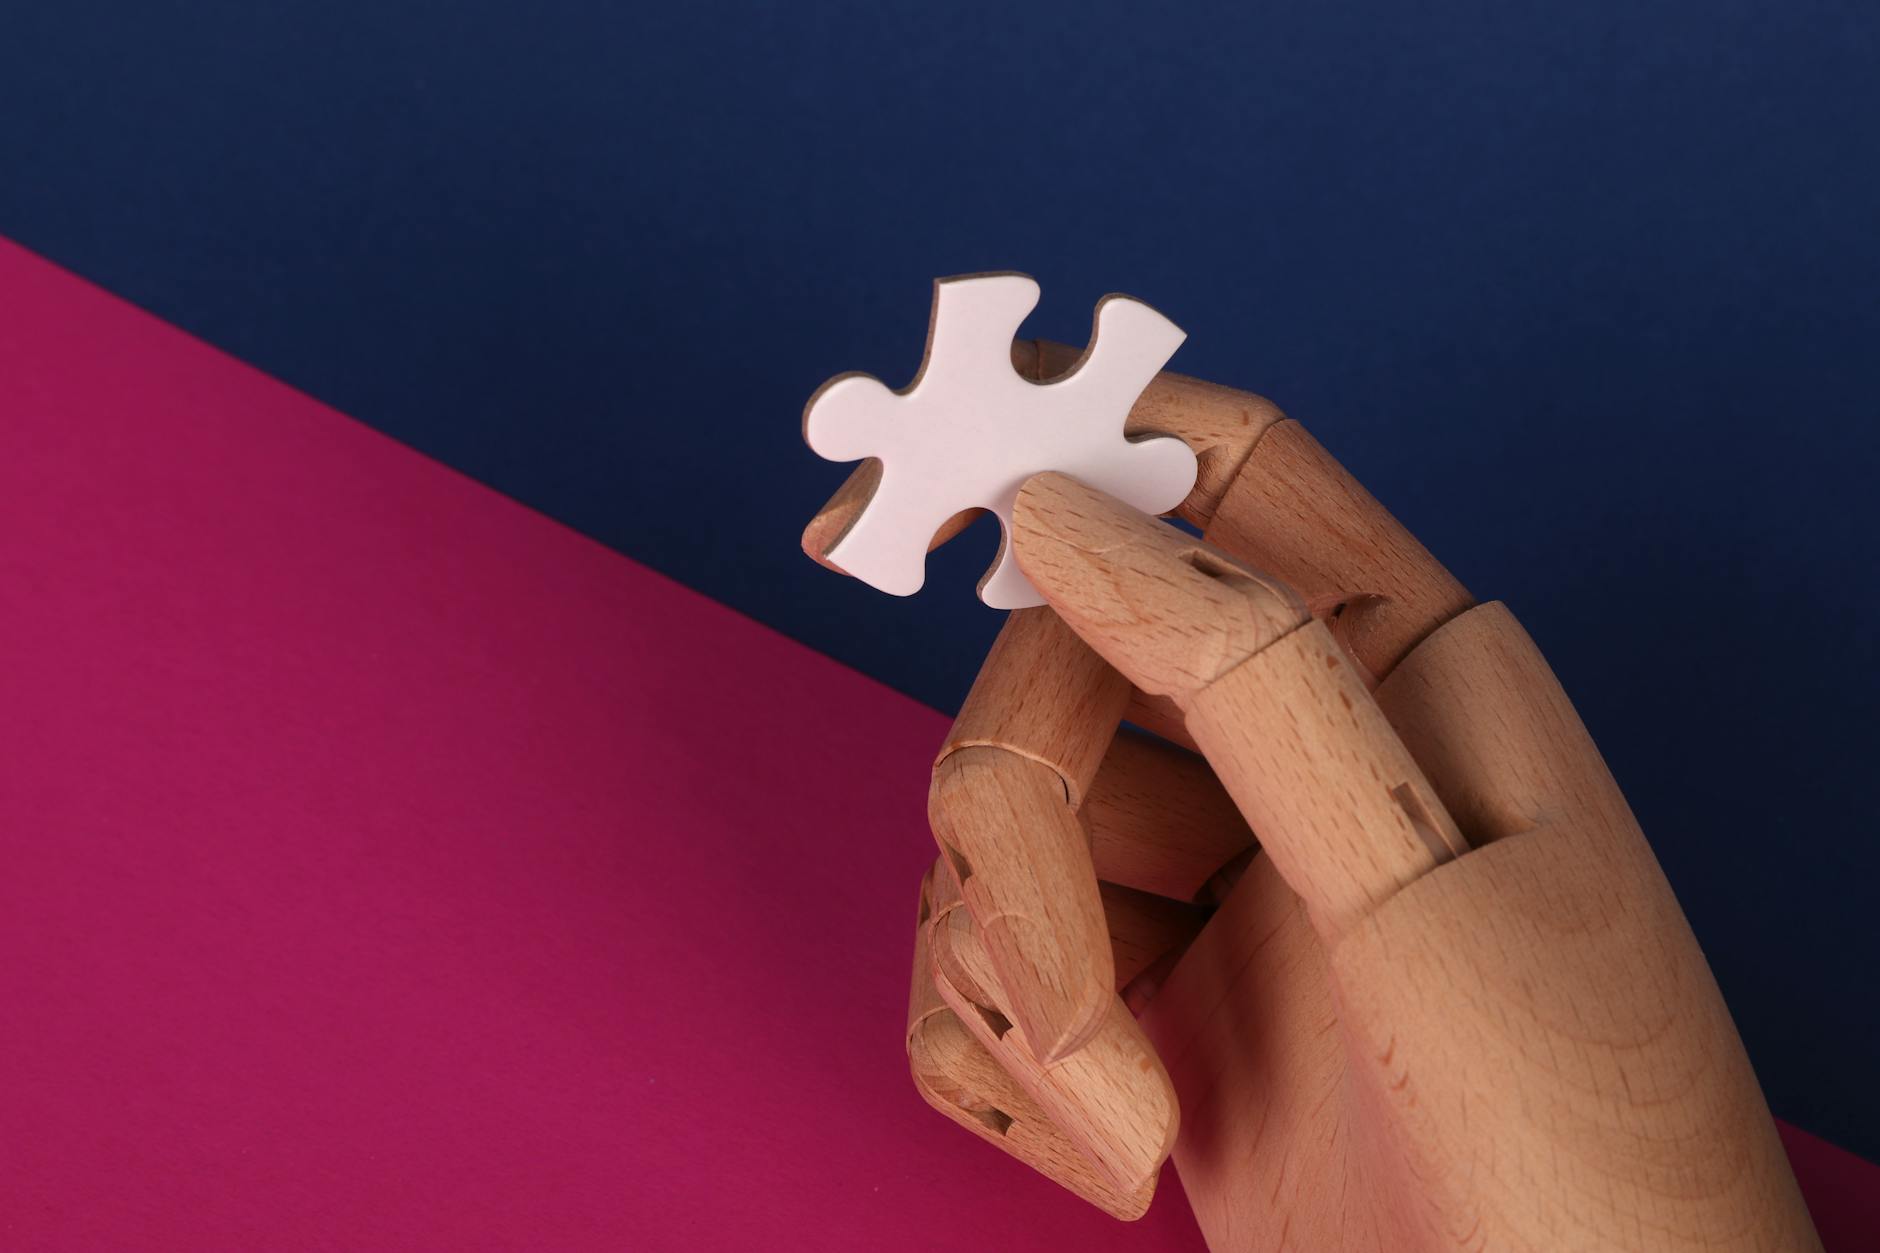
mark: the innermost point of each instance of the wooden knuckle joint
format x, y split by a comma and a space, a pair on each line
1295, 512
1042, 695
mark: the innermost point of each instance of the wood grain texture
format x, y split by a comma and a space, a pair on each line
1271, 698
1111, 1097
1159, 820
1044, 695
957, 1076
1522, 1049
1145, 928
1010, 775
1006, 785
1024, 868
1396, 1042
1247, 1026
1159, 716
1343, 810
1171, 612
1294, 513
1297, 515
1451, 1003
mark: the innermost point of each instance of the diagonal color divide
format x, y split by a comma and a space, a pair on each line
388, 865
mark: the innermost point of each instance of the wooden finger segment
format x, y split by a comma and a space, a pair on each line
1171, 612
1023, 865
1016, 764
1160, 716
1342, 809
1480, 709
1145, 928
1111, 1098
957, 1076
1299, 515
1043, 694
1159, 820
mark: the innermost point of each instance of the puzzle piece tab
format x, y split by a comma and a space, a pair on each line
969, 431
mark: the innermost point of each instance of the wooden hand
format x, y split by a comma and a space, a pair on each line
1449, 1001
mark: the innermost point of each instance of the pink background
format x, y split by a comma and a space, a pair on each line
384, 865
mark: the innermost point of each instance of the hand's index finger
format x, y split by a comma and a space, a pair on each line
1268, 695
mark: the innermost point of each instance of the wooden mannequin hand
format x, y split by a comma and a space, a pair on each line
1449, 1002
1381, 1040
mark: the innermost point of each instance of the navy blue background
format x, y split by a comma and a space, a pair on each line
1585, 292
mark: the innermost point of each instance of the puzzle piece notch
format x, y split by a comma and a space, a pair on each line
969, 430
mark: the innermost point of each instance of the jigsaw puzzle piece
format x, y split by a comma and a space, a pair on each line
886, 546
843, 419
968, 431
1129, 344
975, 318
969, 338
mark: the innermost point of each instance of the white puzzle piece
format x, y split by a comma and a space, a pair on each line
969, 430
